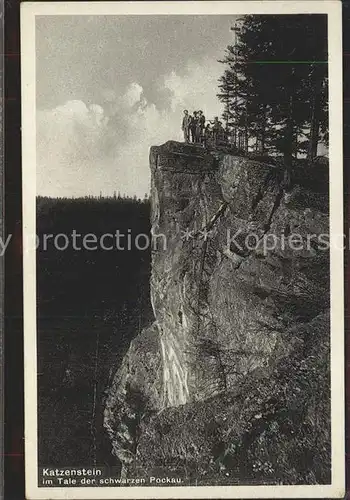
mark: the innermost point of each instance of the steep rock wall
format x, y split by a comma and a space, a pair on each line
235, 310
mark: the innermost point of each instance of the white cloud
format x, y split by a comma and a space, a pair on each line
87, 149
133, 95
197, 90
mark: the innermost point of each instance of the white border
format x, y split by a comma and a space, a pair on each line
28, 12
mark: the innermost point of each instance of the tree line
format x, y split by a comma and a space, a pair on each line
116, 197
275, 84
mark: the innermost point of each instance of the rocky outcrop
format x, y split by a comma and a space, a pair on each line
231, 382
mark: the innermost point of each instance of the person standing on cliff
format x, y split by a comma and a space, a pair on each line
200, 127
208, 136
193, 126
186, 123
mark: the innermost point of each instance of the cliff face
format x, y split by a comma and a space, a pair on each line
232, 380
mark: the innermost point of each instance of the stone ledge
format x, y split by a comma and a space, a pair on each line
179, 157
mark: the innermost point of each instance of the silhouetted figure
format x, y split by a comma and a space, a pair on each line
200, 127
207, 135
186, 123
193, 126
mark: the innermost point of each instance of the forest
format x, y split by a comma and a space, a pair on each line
90, 304
275, 85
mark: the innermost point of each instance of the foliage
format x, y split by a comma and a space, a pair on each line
274, 86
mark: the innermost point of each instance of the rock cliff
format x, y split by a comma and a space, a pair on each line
231, 383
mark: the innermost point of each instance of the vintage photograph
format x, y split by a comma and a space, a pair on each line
182, 206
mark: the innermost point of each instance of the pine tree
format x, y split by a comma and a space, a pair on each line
274, 86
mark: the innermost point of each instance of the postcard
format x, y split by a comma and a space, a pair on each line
183, 249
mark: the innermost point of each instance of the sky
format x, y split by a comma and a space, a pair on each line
109, 87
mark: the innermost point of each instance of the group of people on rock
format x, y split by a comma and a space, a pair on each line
197, 131
193, 126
